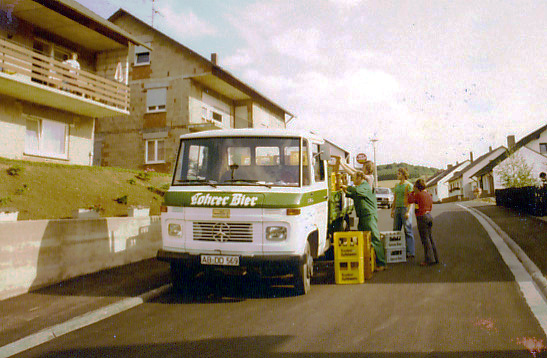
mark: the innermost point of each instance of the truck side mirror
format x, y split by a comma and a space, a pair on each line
324, 152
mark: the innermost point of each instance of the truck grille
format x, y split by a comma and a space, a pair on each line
223, 232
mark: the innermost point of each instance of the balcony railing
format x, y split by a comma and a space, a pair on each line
27, 65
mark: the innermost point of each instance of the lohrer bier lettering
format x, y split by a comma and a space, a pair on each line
199, 199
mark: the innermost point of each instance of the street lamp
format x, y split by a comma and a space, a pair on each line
374, 140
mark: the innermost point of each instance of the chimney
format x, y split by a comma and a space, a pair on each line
449, 166
489, 149
510, 141
214, 59
471, 157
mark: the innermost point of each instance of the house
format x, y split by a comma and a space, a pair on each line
532, 149
462, 185
48, 105
176, 91
438, 185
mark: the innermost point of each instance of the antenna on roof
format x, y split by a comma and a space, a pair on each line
154, 11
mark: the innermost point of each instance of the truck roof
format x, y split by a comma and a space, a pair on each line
254, 132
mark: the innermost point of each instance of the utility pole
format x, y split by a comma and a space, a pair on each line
374, 140
154, 11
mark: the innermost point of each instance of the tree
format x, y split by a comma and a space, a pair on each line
515, 172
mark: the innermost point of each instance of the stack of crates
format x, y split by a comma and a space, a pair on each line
352, 257
395, 245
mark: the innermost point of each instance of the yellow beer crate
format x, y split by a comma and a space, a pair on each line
351, 245
370, 262
349, 271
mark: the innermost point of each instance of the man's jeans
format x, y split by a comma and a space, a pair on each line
398, 222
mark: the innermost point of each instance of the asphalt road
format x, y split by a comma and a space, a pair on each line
468, 306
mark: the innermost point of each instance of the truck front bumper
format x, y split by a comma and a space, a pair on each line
274, 264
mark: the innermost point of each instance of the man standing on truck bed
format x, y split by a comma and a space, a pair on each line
367, 212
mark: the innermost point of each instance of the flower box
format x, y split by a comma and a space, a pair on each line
85, 214
8, 214
134, 211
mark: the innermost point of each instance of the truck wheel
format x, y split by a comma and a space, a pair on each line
304, 272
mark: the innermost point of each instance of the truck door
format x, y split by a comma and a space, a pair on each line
320, 188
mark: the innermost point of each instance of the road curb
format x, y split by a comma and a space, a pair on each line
75, 323
528, 264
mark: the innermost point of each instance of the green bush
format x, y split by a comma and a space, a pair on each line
5, 200
144, 175
14, 170
122, 200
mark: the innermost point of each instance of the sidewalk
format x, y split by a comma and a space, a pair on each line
32, 312
528, 232
36, 311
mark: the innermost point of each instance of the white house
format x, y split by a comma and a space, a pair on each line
438, 186
462, 185
532, 149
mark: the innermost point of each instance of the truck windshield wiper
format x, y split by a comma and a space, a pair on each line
252, 181
198, 181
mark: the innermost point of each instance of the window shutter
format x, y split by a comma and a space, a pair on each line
156, 97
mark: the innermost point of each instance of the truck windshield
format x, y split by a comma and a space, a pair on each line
266, 161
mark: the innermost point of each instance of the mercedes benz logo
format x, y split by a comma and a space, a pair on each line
221, 232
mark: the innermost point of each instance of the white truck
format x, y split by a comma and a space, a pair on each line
260, 200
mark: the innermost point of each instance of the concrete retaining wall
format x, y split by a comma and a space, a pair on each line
38, 253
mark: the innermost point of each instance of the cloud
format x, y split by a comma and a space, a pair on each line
183, 23
400, 70
346, 3
242, 58
298, 43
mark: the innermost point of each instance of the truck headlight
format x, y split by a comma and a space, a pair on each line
174, 230
277, 233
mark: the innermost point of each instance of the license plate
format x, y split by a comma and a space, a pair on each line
220, 260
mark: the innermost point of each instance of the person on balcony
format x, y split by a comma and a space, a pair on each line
75, 67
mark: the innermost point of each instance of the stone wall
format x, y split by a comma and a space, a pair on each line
38, 253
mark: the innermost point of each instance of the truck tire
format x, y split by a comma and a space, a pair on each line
304, 272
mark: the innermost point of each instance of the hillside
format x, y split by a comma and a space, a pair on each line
389, 171
52, 191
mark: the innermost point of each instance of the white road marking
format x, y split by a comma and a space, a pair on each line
75, 323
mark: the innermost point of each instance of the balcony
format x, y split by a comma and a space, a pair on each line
33, 77
206, 117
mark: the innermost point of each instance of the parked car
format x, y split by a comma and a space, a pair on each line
384, 197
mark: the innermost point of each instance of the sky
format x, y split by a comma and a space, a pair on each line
432, 81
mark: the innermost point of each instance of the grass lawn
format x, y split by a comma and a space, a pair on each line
51, 191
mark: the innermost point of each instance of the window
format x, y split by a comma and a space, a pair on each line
217, 117
155, 151
156, 99
197, 162
543, 148
239, 155
291, 156
142, 56
267, 156
46, 138
318, 164
306, 175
